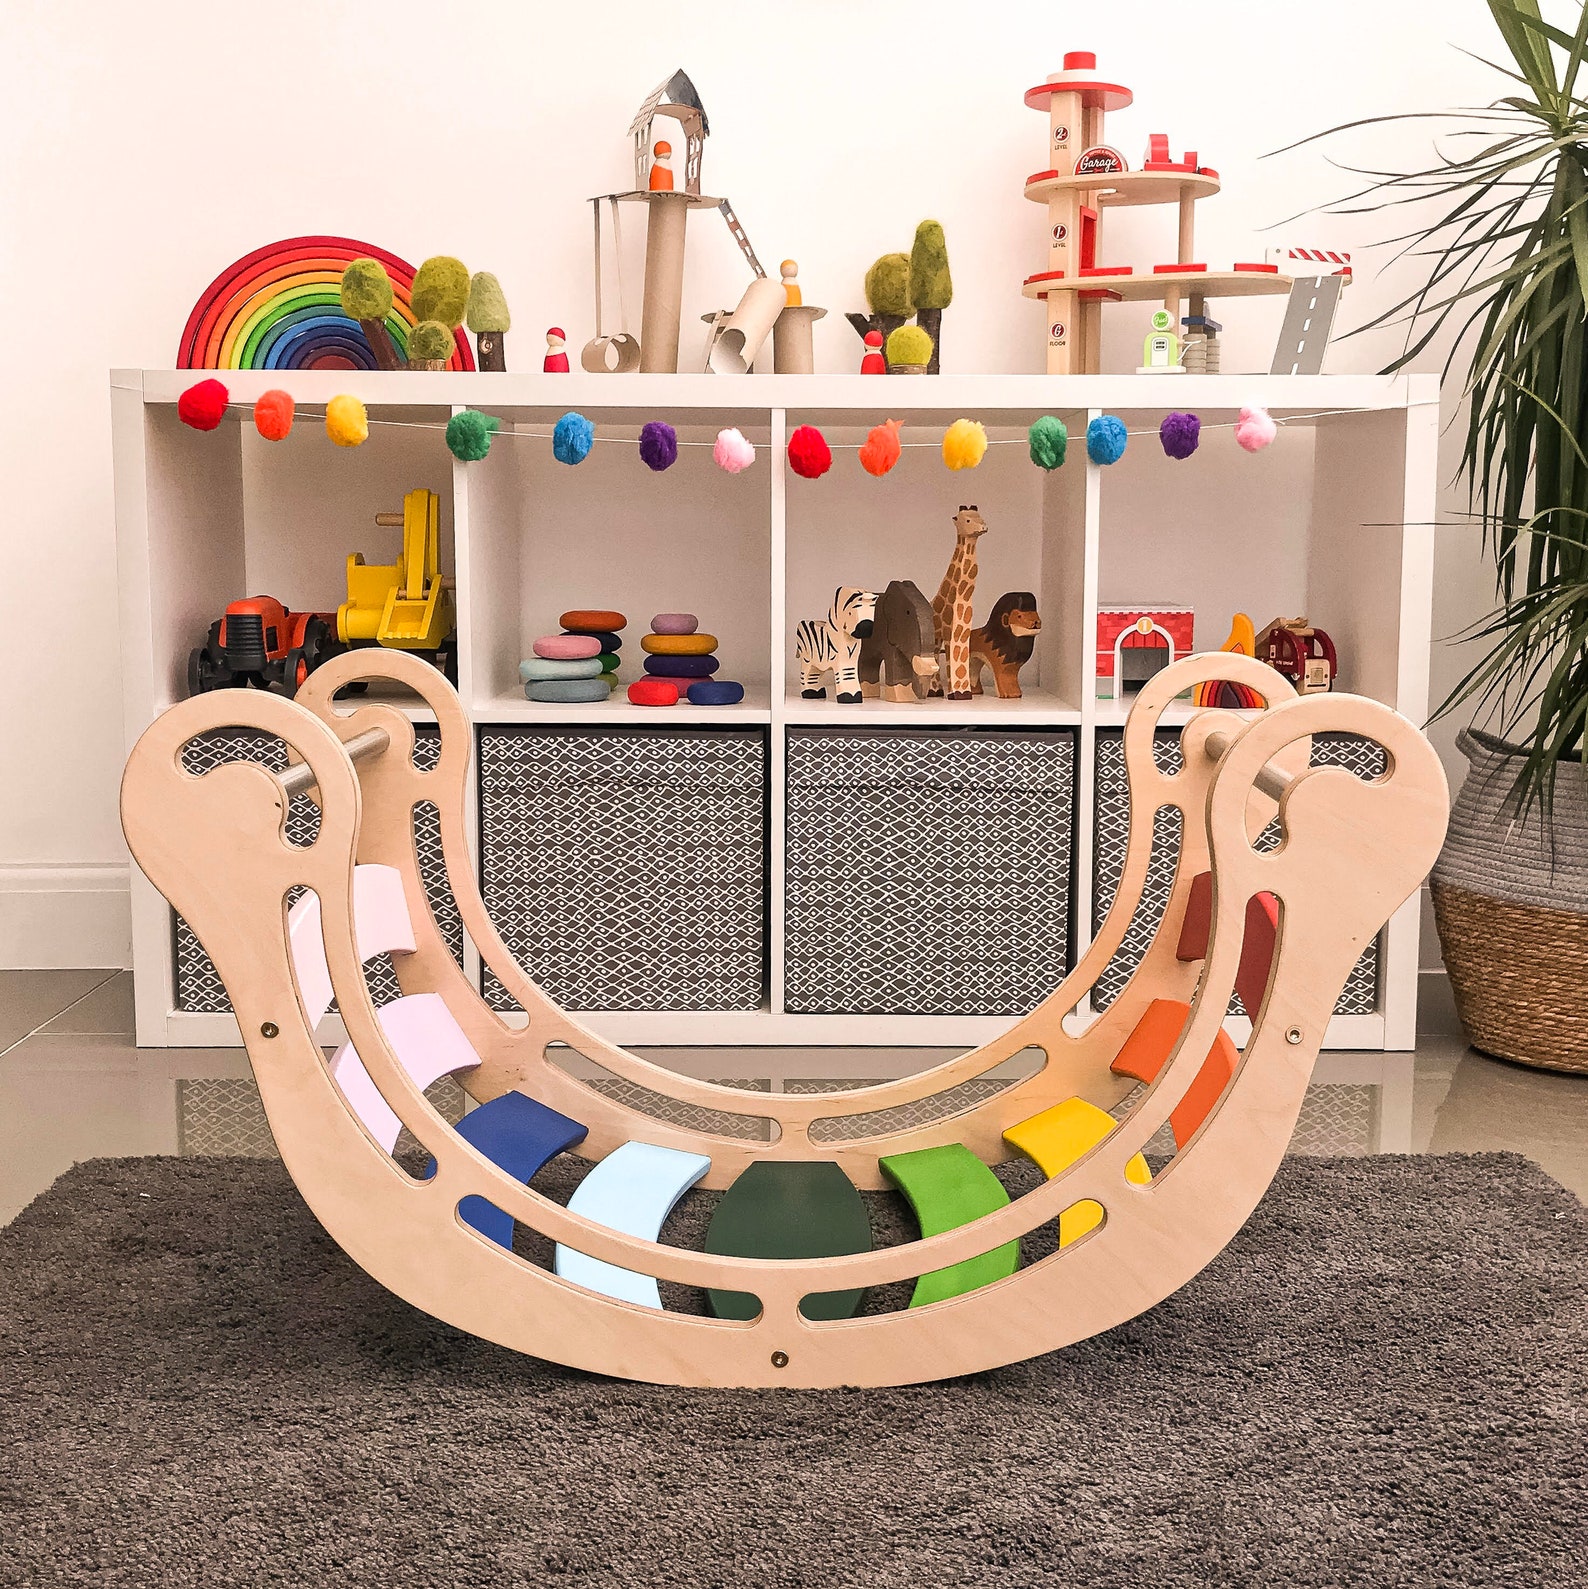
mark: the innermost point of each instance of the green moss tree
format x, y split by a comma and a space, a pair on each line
367, 298
931, 287
487, 317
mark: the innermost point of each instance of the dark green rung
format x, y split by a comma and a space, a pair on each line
949, 1187
789, 1210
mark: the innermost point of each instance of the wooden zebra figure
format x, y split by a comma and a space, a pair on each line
832, 645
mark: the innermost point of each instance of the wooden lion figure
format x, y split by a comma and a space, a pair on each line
1005, 643
832, 645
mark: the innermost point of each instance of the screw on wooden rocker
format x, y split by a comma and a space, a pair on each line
780, 1360
270, 1029
1293, 1036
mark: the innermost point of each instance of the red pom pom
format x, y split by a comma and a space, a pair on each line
273, 411
808, 452
203, 406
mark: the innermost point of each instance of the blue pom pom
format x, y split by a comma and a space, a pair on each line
658, 445
1105, 439
572, 439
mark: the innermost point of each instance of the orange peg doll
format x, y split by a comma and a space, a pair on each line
661, 167
791, 287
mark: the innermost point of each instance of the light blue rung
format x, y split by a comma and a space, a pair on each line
632, 1190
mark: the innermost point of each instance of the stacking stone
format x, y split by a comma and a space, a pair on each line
680, 657
566, 647
533, 669
715, 692
568, 691
593, 618
681, 667
653, 692
679, 645
674, 623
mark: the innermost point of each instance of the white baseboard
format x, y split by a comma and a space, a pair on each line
59, 917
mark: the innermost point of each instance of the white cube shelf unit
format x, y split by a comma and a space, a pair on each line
1335, 520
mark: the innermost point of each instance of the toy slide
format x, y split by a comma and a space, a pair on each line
790, 1265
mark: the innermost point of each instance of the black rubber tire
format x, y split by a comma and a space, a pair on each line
295, 671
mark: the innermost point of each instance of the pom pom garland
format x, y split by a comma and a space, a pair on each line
572, 438
273, 411
964, 444
1106, 438
880, 450
1179, 434
1255, 428
203, 404
658, 445
469, 434
1048, 441
346, 422
732, 451
809, 455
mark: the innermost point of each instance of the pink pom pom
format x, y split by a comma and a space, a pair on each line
1255, 429
733, 452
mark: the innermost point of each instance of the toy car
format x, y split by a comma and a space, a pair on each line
259, 644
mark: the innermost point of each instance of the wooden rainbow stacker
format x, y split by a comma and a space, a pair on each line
788, 1259
1088, 176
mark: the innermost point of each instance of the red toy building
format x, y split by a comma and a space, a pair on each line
1133, 643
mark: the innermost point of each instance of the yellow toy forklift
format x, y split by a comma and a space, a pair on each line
407, 605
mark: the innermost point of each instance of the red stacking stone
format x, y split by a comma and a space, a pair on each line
653, 692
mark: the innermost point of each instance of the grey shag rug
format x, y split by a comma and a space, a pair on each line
1384, 1382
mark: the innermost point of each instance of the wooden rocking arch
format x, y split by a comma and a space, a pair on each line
1283, 927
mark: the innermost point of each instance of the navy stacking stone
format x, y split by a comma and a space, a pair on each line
716, 692
519, 1136
682, 667
609, 641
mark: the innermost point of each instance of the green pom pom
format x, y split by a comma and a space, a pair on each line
888, 285
430, 339
487, 307
366, 290
469, 434
931, 286
1049, 440
909, 345
441, 290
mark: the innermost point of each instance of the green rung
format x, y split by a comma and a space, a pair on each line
949, 1187
801, 1209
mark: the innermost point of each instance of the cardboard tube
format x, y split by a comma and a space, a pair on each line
746, 328
664, 282
792, 350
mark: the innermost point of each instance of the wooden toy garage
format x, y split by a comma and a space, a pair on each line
788, 1255
1087, 177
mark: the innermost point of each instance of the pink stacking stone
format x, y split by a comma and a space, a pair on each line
567, 647
674, 623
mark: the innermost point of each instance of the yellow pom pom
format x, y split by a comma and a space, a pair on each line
964, 444
347, 424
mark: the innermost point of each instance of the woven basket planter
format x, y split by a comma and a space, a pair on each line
1511, 901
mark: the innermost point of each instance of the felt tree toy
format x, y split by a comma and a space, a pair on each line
366, 298
931, 287
429, 345
909, 351
487, 317
441, 290
887, 296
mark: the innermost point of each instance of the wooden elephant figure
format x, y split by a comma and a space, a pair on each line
899, 660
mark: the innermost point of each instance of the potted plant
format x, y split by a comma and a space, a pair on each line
1509, 280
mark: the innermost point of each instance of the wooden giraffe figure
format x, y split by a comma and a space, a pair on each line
951, 607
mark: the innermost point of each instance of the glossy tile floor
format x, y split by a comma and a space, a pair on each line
73, 1086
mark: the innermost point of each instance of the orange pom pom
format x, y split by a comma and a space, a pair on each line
880, 450
273, 412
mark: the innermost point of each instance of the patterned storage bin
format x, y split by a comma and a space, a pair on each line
626, 869
198, 985
928, 872
1112, 828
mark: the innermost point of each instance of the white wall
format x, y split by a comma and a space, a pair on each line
145, 147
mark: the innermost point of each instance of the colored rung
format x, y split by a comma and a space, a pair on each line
1055, 1139
1150, 1043
1197, 922
949, 1186
381, 925
518, 1136
632, 1190
799, 1209
429, 1044
1258, 941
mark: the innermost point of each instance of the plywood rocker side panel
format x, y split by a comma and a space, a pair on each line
1353, 851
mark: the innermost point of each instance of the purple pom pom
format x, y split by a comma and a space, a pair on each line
659, 445
1179, 434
